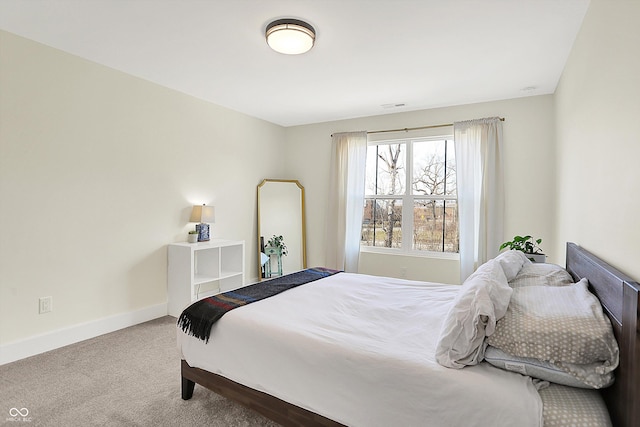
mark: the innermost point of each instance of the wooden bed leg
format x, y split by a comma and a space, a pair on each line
187, 388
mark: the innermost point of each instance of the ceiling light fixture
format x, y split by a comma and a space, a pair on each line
290, 36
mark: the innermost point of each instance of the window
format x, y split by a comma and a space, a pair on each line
410, 196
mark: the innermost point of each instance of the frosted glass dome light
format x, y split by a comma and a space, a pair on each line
290, 36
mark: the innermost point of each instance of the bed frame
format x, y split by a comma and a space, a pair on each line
620, 298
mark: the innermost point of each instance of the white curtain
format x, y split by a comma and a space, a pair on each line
480, 180
346, 200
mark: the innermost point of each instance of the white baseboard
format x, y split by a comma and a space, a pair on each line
59, 338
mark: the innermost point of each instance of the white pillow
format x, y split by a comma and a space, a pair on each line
544, 370
481, 301
512, 262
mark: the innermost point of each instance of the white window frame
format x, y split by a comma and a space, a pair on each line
408, 200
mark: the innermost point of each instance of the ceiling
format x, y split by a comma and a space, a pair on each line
371, 57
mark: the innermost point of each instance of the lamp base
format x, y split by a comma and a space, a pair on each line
203, 232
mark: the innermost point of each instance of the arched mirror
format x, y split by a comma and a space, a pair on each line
281, 227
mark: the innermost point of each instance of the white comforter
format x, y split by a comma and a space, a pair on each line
361, 350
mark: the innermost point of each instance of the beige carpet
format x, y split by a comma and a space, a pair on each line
126, 378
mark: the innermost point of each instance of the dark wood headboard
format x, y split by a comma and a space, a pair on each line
620, 298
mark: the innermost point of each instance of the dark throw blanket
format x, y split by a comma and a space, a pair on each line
199, 317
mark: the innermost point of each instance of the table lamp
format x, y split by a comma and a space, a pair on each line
203, 215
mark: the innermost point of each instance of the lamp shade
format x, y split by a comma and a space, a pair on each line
203, 214
290, 36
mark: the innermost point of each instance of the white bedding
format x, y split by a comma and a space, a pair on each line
361, 350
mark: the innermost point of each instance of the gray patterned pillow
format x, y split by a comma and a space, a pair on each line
569, 407
562, 325
541, 274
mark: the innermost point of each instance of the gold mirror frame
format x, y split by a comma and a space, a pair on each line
294, 243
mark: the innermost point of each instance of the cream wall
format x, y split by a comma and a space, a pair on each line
598, 134
529, 174
98, 170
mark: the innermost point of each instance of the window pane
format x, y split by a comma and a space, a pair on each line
385, 169
435, 226
382, 223
451, 170
429, 168
427, 225
451, 241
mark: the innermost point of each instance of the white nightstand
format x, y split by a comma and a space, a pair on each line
197, 270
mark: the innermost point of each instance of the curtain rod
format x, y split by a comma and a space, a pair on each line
416, 128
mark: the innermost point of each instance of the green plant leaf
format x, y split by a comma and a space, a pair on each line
524, 244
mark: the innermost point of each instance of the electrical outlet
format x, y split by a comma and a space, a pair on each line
403, 272
46, 305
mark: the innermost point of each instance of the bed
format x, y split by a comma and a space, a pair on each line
301, 402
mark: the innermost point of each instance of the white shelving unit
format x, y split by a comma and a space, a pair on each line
198, 270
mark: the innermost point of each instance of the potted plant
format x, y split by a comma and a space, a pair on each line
278, 242
193, 236
528, 245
